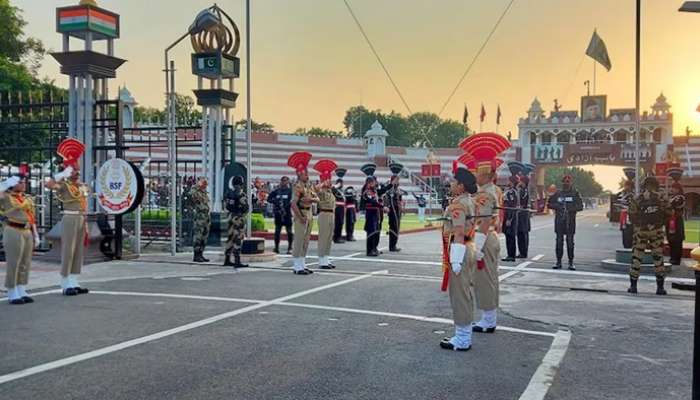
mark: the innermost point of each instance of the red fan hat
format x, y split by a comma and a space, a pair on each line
466, 160
325, 168
485, 148
299, 161
71, 150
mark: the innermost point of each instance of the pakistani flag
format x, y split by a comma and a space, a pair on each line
598, 51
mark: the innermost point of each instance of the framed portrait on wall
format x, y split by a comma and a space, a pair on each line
593, 108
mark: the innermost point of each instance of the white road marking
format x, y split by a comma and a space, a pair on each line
176, 296
596, 225
596, 274
516, 270
160, 335
543, 378
537, 257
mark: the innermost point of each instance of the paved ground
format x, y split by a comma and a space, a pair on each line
163, 328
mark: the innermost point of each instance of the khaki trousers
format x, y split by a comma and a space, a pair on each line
486, 280
302, 235
72, 244
326, 224
19, 244
460, 290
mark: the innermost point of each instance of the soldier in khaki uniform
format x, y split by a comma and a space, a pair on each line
73, 194
20, 236
458, 228
326, 212
303, 197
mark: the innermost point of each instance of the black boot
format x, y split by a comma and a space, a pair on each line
572, 267
204, 259
633, 286
660, 286
198, 257
558, 265
237, 264
276, 250
227, 261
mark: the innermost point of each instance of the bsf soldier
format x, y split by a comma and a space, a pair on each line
511, 202
394, 202
20, 237
281, 199
201, 219
524, 215
73, 194
459, 228
339, 206
237, 206
303, 197
648, 211
350, 213
675, 225
370, 203
566, 203
326, 212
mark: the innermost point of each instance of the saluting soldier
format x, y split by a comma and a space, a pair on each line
19, 238
326, 212
339, 206
459, 230
73, 195
350, 213
303, 197
201, 219
394, 202
649, 212
237, 205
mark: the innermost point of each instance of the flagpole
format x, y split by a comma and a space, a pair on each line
637, 96
594, 76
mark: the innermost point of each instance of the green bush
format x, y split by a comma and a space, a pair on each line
257, 223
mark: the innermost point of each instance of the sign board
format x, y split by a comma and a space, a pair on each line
230, 171
549, 153
215, 65
120, 186
430, 170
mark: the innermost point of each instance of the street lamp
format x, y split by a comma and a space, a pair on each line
206, 19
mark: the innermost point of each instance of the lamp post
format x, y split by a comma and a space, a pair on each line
249, 123
204, 20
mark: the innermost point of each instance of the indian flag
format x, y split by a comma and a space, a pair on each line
103, 23
87, 19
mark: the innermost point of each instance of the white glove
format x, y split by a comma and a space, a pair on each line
457, 252
63, 175
37, 241
479, 242
9, 183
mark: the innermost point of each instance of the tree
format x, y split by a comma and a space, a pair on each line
20, 56
584, 181
262, 127
314, 131
398, 127
358, 120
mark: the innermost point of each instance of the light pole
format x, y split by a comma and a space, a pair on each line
249, 123
694, 6
637, 122
204, 20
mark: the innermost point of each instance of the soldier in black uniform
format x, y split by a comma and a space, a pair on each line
350, 213
565, 203
281, 199
393, 200
510, 218
524, 215
339, 206
237, 205
675, 226
369, 202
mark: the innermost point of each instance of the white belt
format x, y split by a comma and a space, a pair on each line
73, 213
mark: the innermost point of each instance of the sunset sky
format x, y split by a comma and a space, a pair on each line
310, 63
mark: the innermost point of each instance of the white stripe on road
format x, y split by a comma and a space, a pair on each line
537, 257
516, 270
543, 378
595, 274
184, 328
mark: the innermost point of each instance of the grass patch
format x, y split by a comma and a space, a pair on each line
408, 222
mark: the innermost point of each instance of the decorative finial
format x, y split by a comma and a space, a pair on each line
88, 3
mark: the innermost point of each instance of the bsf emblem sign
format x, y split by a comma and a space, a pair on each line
120, 186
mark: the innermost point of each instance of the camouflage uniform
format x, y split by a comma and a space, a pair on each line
201, 219
237, 206
648, 212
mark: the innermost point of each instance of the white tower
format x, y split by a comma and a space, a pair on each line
375, 139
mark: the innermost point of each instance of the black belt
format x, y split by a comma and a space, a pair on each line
304, 208
17, 225
326, 210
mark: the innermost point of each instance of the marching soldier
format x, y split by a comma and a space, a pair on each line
675, 227
201, 219
394, 202
339, 206
19, 238
303, 197
281, 199
566, 203
237, 206
648, 211
510, 220
524, 215
73, 194
624, 198
350, 213
459, 228
326, 212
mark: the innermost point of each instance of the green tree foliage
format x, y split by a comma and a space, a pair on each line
318, 132
584, 181
262, 127
20, 56
419, 129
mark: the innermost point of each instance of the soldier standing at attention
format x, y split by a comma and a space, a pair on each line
566, 203
394, 202
201, 219
339, 206
73, 194
20, 237
524, 215
326, 212
281, 199
350, 213
303, 197
649, 212
510, 219
675, 227
369, 202
237, 206
459, 228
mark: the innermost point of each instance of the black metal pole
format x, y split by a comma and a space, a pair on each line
696, 340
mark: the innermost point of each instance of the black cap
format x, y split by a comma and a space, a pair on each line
395, 168
516, 168
369, 169
340, 172
350, 191
467, 179
630, 172
675, 173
